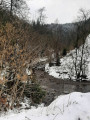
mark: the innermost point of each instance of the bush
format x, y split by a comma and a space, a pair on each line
51, 64
64, 52
37, 94
58, 62
34, 91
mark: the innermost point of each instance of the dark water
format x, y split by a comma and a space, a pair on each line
55, 87
76, 88
62, 89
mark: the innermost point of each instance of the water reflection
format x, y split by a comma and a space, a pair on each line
68, 88
82, 88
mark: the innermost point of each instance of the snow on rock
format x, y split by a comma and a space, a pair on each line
74, 106
67, 68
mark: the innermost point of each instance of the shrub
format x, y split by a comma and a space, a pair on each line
51, 64
37, 94
34, 91
58, 62
64, 52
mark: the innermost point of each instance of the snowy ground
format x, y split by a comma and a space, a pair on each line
74, 106
67, 68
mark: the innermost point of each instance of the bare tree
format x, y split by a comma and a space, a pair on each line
79, 59
42, 16
16, 7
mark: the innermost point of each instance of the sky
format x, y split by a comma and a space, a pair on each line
65, 11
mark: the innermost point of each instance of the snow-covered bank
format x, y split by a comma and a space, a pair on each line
67, 68
74, 106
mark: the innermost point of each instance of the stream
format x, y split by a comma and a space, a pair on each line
55, 87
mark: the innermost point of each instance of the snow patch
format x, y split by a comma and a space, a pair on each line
74, 106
